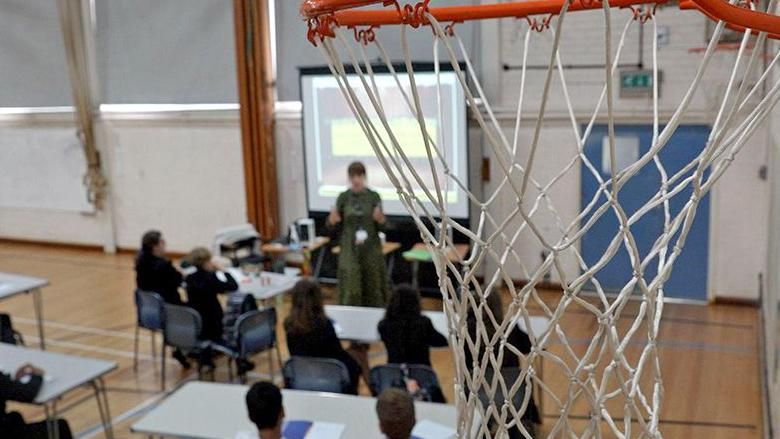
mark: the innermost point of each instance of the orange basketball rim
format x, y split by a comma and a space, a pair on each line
323, 14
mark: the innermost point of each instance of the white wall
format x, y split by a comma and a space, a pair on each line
181, 173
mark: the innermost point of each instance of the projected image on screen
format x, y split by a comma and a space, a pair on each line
334, 138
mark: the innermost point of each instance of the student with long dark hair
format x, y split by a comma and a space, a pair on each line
311, 334
154, 271
407, 334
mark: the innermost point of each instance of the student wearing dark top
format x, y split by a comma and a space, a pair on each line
518, 339
407, 334
24, 387
203, 288
154, 272
264, 405
311, 334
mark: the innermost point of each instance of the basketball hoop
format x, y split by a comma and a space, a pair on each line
622, 392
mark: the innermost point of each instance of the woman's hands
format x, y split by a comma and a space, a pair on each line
379, 216
334, 218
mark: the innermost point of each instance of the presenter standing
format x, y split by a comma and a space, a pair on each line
361, 273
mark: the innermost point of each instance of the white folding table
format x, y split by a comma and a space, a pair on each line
264, 286
14, 284
218, 411
359, 323
64, 373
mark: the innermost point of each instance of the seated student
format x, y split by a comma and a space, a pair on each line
407, 334
517, 338
155, 273
203, 287
311, 334
395, 410
264, 404
23, 387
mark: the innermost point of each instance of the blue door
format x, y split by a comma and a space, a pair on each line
689, 275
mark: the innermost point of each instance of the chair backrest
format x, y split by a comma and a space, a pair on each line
316, 374
182, 326
256, 331
395, 375
150, 309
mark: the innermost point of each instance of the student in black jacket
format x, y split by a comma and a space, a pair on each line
407, 334
23, 387
154, 272
517, 338
311, 334
203, 288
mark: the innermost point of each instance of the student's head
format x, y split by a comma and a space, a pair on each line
306, 306
200, 257
357, 176
395, 410
152, 243
404, 303
264, 404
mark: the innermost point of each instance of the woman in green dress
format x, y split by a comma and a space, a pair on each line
362, 274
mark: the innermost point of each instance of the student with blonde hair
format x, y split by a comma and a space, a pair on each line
203, 288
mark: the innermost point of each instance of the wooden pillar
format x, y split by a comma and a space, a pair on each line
256, 96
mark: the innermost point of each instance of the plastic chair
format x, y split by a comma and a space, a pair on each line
395, 376
150, 310
255, 332
316, 375
181, 330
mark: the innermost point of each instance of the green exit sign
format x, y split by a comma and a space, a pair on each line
637, 83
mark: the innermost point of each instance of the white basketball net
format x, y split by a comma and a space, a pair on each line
619, 394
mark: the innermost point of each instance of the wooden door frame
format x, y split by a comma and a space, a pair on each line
256, 98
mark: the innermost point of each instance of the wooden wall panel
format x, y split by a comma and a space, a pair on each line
256, 96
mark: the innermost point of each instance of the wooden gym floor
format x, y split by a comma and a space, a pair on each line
709, 354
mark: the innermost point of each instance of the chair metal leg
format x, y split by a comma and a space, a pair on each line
135, 348
162, 368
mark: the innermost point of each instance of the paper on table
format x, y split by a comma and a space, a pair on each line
426, 429
246, 435
4, 286
325, 430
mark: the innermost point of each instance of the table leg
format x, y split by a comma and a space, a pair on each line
38, 305
318, 263
390, 267
52, 426
102, 401
415, 274
539, 392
